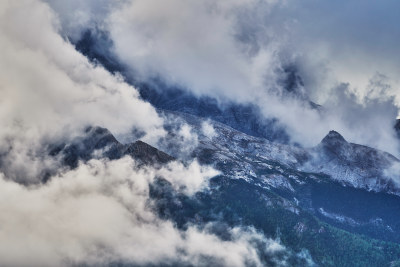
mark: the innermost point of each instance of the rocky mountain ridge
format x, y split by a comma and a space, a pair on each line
98, 142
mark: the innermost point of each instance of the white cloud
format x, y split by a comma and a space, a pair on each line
98, 214
49, 91
75, 15
208, 129
182, 139
193, 44
192, 180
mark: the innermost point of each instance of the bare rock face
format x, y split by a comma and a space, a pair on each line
146, 153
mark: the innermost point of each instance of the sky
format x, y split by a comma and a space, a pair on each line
236, 50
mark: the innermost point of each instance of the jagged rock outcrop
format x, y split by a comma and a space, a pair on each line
353, 164
99, 142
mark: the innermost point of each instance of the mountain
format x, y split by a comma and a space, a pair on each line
337, 202
351, 164
356, 165
262, 185
295, 174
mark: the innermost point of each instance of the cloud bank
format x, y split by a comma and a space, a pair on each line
99, 213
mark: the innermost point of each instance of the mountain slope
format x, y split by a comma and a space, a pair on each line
261, 187
294, 173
